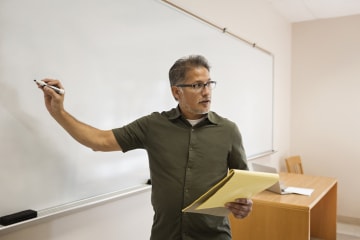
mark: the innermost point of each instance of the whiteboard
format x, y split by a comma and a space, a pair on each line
113, 58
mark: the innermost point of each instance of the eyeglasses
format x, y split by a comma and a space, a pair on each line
199, 85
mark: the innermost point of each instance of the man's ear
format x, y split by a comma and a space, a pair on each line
175, 92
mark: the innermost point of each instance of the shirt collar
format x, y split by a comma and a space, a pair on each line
175, 113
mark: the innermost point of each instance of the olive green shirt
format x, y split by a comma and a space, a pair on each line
185, 161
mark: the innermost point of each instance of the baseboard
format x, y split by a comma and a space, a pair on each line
348, 220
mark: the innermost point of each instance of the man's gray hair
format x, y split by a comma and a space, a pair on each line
177, 72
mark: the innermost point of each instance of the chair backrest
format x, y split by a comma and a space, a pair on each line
293, 165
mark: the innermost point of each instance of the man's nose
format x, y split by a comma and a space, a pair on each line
206, 88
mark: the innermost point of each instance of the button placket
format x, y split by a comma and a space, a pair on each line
190, 163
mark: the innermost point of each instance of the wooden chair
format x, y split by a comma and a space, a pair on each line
293, 165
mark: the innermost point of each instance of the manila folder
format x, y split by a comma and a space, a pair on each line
237, 184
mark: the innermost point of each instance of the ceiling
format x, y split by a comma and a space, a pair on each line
306, 10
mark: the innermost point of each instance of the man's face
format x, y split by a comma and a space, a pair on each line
194, 103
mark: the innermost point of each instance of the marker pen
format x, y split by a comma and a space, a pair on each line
43, 84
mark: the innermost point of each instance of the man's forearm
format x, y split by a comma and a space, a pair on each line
96, 139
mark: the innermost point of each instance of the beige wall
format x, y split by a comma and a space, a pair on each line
131, 218
325, 126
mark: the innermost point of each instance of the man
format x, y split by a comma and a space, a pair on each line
190, 149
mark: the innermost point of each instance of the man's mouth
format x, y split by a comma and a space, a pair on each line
205, 101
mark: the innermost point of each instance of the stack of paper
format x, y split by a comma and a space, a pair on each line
298, 190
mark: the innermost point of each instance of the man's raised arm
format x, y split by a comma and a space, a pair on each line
96, 139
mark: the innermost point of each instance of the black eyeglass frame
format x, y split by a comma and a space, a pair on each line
199, 85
